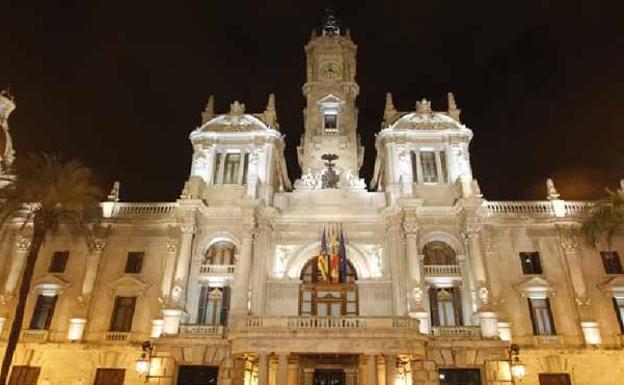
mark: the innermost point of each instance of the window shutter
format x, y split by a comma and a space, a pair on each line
550, 317
457, 306
433, 305
533, 320
201, 309
225, 305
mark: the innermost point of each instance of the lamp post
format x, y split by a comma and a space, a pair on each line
516, 367
144, 363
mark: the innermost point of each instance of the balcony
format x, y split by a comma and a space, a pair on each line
117, 337
309, 334
456, 332
35, 335
442, 271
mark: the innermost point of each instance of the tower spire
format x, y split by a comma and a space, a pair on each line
208, 112
331, 24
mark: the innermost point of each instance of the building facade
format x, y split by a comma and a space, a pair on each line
432, 286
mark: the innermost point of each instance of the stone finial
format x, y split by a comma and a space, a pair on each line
389, 110
113, 195
208, 112
270, 115
7, 105
453, 111
551, 190
186, 191
423, 106
476, 189
237, 108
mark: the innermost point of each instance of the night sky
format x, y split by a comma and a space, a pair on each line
120, 85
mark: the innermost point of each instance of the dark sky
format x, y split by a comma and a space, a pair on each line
121, 84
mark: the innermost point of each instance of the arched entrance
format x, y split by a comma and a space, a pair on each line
319, 298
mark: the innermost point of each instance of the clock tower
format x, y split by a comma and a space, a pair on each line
330, 141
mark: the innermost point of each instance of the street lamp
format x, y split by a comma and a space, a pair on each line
144, 363
516, 367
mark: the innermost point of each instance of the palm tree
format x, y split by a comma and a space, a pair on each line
52, 191
606, 217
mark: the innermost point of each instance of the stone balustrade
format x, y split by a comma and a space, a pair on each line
328, 323
117, 336
542, 208
216, 270
35, 335
143, 209
442, 271
456, 331
201, 330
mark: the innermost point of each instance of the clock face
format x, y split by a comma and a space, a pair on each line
331, 70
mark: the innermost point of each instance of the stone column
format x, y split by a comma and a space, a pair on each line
261, 263
240, 285
391, 370
96, 248
182, 264
263, 369
308, 376
476, 258
371, 369
282, 369
394, 244
169, 267
17, 265
238, 375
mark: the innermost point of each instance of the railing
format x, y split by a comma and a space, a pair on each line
548, 340
456, 331
117, 336
442, 270
216, 270
329, 323
138, 209
201, 330
537, 207
35, 335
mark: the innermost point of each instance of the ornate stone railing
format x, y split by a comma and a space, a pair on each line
329, 323
117, 336
538, 207
201, 330
142, 209
442, 270
35, 335
456, 331
216, 270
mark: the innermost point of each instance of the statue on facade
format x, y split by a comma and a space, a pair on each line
330, 177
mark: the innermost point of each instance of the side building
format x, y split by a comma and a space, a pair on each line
249, 279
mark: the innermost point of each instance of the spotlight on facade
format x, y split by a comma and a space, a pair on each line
516, 366
144, 363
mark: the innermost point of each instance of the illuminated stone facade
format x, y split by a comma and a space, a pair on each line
444, 279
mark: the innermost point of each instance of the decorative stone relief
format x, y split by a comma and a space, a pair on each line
282, 255
374, 254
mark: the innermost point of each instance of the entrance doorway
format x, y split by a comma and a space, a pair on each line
329, 377
198, 375
460, 377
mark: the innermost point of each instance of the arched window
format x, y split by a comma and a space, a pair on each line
439, 253
221, 253
319, 298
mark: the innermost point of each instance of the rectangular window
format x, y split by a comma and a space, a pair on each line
554, 379
530, 262
123, 312
330, 122
611, 262
24, 375
198, 375
429, 168
109, 376
618, 303
443, 177
42, 315
541, 317
59, 262
446, 308
232, 163
414, 159
134, 263
217, 167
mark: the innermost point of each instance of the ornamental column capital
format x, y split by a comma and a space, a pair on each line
22, 244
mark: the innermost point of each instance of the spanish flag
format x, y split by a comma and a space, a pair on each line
322, 259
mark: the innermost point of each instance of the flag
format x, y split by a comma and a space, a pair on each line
342, 253
322, 258
334, 261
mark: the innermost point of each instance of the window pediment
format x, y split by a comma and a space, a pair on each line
614, 286
331, 101
535, 287
50, 284
128, 285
